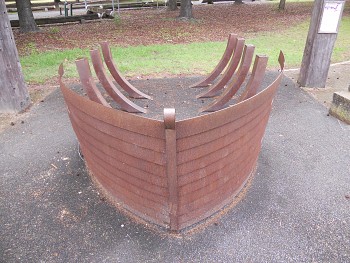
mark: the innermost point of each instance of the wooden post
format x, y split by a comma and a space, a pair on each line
171, 167
14, 95
320, 42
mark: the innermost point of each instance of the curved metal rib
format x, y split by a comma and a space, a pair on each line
232, 39
108, 85
256, 78
122, 82
88, 83
238, 79
230, 70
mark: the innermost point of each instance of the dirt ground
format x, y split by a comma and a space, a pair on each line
158, 26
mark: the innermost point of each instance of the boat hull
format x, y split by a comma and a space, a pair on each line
171, 173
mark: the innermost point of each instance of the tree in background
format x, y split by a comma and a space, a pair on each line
14, 95
186, 9
172, 5
282, 5
25, 16
57, 3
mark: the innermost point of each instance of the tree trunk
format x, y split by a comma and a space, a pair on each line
25, 16
57, 3
172, 5
282, 5
14, 95
186, 9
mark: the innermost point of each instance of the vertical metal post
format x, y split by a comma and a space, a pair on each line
171, 167
71, 9
65, 9
119, 8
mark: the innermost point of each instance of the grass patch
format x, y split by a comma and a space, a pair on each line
194, 58
39, 67
341, 50
291, 42
173, 59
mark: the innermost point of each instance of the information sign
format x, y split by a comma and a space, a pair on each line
331, 15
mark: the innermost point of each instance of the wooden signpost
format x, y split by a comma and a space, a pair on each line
320, 41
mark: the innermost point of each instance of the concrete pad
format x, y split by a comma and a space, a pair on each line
340, 107
337, 80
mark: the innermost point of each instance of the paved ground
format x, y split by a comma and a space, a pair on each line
296, 210
50, 13
338, 80
82, 11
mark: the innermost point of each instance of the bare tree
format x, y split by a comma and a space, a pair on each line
14, 95
25, 16
186, 9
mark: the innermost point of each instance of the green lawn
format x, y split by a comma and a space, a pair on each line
194, 58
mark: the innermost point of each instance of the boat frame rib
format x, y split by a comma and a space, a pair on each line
118, 97
122, 82
231, 43
236, 83
88, 83
260, 64
227, 75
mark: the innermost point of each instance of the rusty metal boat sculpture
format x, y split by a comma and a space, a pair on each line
172, 173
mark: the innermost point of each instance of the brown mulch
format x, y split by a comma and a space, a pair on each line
158, 26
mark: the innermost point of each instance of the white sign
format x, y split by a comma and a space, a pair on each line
332, 11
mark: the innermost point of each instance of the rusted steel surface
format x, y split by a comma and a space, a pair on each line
174, 173
122, 82
217, 152
125, 153
227, 75
170, 146
232, 38
88, 83
256, 78
118, 97
236, 83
